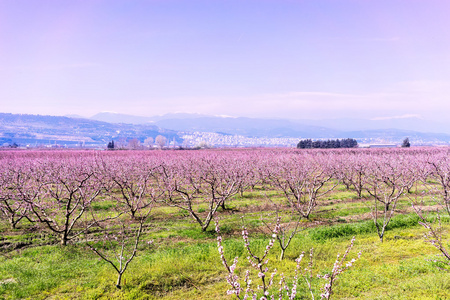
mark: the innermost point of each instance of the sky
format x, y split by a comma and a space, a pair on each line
310, 59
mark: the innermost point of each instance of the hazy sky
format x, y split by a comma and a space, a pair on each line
294, 59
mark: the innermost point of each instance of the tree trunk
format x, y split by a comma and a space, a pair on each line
282, 254
13, 222
119, 279
64, 239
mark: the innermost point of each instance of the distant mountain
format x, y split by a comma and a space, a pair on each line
250, 127
193, 122
112, 117
392, 130
42, 130
180, 116
264, 126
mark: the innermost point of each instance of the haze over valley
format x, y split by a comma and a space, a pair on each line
191, 130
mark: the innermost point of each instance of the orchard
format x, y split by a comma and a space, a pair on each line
225, 224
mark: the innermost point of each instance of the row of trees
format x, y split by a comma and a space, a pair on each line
41, 185
328, 144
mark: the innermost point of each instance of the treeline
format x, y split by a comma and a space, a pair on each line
344, 143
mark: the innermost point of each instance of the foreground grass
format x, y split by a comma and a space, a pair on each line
185, 263
190, 268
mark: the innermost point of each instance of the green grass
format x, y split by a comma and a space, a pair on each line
193, 269
185, 263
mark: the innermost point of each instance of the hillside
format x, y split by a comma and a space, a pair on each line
37, 130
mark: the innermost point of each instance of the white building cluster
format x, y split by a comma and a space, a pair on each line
211, 139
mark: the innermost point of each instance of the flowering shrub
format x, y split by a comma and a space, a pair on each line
266, 283
338, 268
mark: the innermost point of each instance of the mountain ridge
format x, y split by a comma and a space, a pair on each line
413, 123
41, 129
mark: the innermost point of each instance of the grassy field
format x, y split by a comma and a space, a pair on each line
184, 263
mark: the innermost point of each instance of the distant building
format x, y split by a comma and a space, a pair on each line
382, 146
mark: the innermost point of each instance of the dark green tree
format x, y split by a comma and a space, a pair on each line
406, 143
110, 145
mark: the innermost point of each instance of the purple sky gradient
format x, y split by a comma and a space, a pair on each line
285, 59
